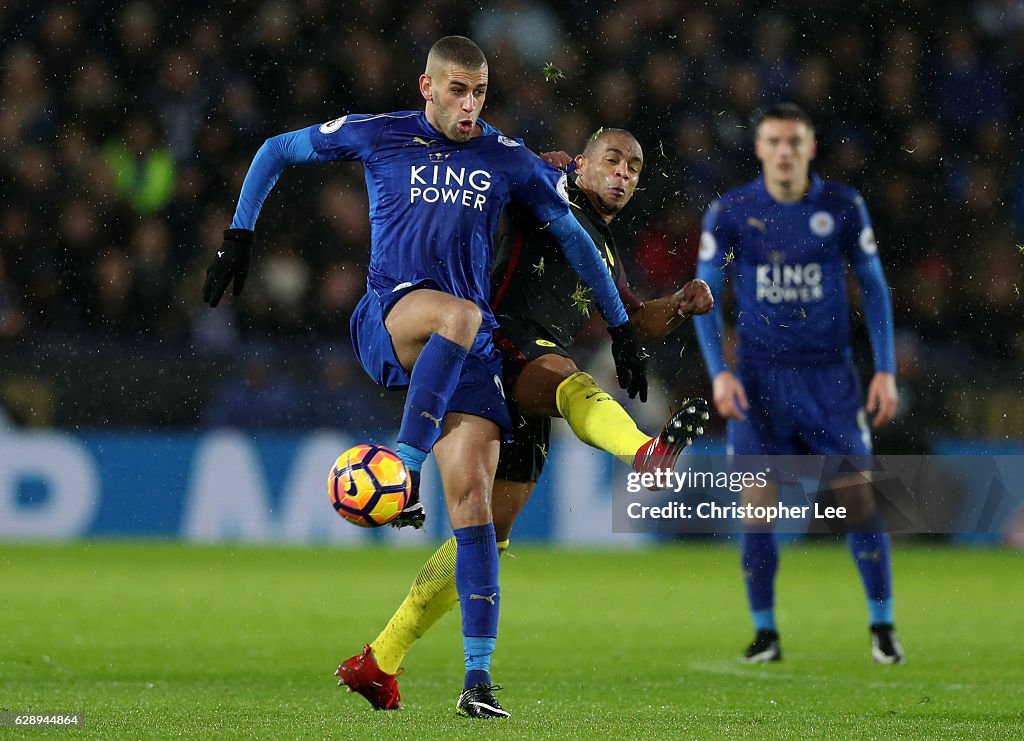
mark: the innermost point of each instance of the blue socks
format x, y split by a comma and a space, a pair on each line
759, 553
476, 580
413, 458
869, 547
431, 385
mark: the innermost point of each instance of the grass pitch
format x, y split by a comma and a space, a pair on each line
157, 640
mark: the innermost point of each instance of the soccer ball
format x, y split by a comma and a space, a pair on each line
369, 485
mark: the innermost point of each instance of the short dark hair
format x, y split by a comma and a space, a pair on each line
457, 50
599, 135
787, 112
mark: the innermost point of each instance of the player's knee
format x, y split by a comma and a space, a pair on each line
461, 321
469, 501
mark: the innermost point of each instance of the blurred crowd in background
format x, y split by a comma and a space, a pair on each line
126, 130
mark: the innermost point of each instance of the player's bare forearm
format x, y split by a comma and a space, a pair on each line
659, 317
656, 319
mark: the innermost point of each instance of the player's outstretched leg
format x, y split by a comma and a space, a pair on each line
431, 385
681, 429
760, 555
600, 421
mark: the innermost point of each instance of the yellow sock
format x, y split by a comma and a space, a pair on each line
431, 595
597, 419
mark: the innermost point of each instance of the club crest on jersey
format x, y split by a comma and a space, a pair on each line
822, 223
508, 141
708, 246
868, 245
331, 126
563, 188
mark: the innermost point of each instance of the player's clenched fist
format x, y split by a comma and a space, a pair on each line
694, 299
230, 263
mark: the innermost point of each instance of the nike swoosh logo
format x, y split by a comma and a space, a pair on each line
490, 707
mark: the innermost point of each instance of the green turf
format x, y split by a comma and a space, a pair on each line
160, 640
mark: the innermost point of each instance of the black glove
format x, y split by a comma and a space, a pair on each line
630, 360
232, 262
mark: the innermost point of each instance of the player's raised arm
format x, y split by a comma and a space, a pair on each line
231, 263
581, 252
659, 317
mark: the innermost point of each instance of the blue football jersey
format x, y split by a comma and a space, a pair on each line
434, 203
787, 263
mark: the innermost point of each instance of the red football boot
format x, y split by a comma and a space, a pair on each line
362, 675
681, 429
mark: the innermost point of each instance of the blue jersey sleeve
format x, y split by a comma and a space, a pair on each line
350, 137
271, 159
860, 244
543, 189
878, 312
711, 266
862, 252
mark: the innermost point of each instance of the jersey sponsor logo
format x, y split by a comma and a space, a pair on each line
508, 142
868, 245
782, 284
563, 187
708, 246
544, 343
442, 183
822, 223
331, 126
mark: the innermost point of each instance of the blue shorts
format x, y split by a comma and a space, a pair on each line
479, 391
803, 410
